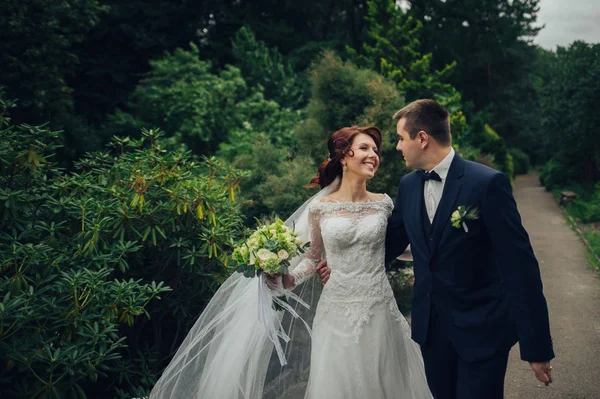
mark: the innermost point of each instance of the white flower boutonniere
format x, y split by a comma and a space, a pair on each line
463, 213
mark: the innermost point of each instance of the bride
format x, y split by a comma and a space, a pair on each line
360, 345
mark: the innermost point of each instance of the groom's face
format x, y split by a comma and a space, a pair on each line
410, 148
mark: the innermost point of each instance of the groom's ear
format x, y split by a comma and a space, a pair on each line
422, 138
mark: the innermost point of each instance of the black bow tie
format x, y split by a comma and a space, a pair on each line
429, 175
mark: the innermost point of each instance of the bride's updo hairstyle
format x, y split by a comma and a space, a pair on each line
339, 145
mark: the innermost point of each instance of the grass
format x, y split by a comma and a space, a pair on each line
593, 239
589, 234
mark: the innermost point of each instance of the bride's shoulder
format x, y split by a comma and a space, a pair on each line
323, 204
378, 196
383, 200
329, 199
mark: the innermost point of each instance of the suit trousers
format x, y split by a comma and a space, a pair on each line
450, 377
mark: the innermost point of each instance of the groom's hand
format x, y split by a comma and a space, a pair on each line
323, 271
543, 372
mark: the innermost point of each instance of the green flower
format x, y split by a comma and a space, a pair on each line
241, 255
463, 213
270, 264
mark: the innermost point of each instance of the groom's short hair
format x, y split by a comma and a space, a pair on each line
426, 115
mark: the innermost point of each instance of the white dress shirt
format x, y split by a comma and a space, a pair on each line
433, 189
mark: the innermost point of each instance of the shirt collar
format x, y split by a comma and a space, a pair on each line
443, 167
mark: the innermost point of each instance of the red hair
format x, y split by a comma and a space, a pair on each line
339, 145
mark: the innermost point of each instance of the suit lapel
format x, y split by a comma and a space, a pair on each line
416, 217
448, 201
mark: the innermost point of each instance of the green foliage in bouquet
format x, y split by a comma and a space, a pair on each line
268, 250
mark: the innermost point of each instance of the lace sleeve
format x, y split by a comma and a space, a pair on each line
307, 267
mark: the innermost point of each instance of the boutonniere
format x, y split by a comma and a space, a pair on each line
461, 214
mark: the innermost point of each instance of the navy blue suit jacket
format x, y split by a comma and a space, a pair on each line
485, 283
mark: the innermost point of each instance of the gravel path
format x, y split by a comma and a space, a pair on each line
572, 290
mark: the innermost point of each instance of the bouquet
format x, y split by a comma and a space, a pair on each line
268, 250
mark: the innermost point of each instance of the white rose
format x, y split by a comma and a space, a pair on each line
274, 232
265, 254
283, 254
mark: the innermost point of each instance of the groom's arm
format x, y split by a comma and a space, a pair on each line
396, 239
520, 270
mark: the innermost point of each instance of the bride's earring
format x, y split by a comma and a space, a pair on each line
344, 168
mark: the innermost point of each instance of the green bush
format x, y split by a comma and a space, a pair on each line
490, 146
586, 208
556, 173
520, 160
402, 285
265, 67
182, 96
593, 238
345, 95
85, 256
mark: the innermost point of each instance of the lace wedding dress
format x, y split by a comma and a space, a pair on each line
361, 345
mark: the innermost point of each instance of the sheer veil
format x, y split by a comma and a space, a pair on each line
228, 354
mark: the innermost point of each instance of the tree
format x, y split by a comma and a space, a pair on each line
187, 101
300, 31
392, 48
265, 67
490, 42
116, 52
569, 116
37, 54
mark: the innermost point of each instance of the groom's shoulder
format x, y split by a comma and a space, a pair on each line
409, 177
480, 171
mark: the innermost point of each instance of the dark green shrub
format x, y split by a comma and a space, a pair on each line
402, 281
86, 255
520, 160
556, 173
586, 208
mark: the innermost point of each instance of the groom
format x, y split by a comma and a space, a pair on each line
477, 282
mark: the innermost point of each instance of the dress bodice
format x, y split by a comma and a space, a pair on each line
351, 236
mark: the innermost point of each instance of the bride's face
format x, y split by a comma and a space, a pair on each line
365, 161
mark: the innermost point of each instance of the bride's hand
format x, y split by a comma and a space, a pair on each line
287, 280
272, 282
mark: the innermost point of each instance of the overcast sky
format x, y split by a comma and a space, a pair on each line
567, 21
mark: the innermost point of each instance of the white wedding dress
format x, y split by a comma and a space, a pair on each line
361, 345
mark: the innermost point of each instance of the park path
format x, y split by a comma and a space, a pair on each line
572, 290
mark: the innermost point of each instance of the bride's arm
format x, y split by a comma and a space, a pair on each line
307, 267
